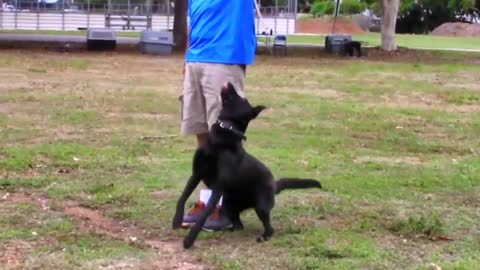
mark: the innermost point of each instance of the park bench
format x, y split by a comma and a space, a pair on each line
128, 22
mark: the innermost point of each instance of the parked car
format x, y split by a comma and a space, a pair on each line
72, 9
473, 17
8, 8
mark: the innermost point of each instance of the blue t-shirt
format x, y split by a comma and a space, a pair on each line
222, 31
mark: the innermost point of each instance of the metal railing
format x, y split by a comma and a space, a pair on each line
134, 7
37, 15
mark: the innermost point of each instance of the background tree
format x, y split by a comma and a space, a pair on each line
388, 25
323, 7
350, 7
304, 6
180, 29
423, 16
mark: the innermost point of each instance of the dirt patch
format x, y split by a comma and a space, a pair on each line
181, 266
12, 80
329, 93
390, 160
324, 26
162, 195
405, 55
18, 198
415, 252
153, 116
65, 133
307, 89
92, 220
422, 101
12, 253
413, 99
7, 107
457, 29
60, 133
170, 253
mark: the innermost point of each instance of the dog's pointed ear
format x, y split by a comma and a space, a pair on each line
257, 110
226, 92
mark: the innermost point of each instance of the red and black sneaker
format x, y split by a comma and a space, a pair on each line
217, 222
192, 216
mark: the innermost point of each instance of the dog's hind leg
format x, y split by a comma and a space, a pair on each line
189, 188
234, 217
236, 221
232, 213
212, 203
264, 216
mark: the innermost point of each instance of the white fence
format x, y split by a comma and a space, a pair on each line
26, 20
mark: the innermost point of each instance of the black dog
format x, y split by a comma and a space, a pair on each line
226, 168
352, 48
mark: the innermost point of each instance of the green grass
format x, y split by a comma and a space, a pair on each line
425, 41
402, 40
395, 145
430, 226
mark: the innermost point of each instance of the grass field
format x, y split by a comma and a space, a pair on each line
404, 40
91, 164
370, 39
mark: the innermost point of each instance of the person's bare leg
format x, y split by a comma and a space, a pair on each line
191, 217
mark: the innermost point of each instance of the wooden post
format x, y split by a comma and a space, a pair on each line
88, 14
276, 15
1, 15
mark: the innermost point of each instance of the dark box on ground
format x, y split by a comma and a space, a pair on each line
334, 43
101, 40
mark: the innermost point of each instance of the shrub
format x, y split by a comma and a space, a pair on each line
323, 7
349, 7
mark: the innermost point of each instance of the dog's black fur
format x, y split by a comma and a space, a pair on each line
226, 168
352, 48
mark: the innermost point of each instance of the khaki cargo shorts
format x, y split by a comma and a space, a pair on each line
200, 101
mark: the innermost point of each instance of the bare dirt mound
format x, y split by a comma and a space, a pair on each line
457, 29
324, 26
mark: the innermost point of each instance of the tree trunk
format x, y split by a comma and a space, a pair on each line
180, 24
389, 22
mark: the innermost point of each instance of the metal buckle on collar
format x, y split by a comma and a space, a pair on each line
231, 128
223, 126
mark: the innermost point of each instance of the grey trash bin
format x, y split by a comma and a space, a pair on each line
156, 42
334, 43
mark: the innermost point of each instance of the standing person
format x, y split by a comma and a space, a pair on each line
222, 42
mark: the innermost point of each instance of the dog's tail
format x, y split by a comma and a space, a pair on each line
296, 183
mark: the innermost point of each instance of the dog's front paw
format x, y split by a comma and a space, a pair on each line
187, 242
262, 239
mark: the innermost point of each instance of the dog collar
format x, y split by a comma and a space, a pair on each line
230, 126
